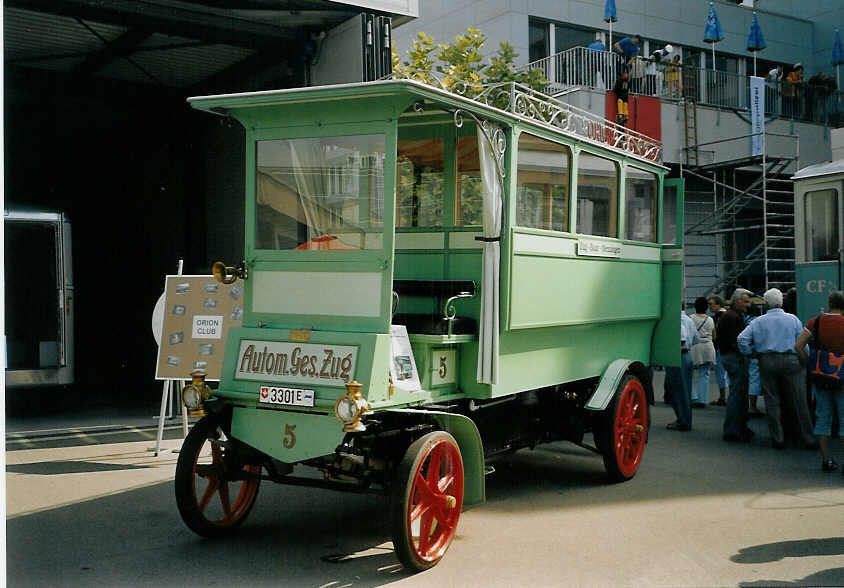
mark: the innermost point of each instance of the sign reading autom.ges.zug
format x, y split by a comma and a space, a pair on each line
296, 363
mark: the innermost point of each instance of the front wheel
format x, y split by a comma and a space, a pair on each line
214, 492
427, 499
624, 430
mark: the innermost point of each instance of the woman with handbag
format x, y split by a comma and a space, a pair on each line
825, 334
703, 352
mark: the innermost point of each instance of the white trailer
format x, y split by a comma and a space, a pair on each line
39, 300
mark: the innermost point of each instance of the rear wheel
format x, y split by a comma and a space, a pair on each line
624, 430
212, 495
427, 499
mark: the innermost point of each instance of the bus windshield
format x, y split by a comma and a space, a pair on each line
320, 193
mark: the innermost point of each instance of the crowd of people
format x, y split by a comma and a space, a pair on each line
796, 369
662, 73
802, 97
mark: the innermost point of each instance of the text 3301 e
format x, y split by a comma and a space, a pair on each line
288, 396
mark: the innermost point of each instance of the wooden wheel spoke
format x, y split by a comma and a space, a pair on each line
434, 468
424, 489
425, 531
445, 482
225, 500
419, 510
213, 484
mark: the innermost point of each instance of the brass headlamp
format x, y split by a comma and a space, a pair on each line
349, 408
229, 275
196, 393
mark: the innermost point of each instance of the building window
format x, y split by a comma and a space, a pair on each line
597, 196
640, 198
538, 39
821, 210
542, 184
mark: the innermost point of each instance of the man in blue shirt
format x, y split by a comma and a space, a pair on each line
629, 48
771, 338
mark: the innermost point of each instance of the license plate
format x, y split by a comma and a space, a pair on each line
285, 396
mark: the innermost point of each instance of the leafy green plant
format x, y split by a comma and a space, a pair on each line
461, 66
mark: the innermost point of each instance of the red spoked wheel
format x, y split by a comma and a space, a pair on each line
214, 495
427, 500
625, 430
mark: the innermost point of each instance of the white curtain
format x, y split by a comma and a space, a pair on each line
491, 186
310, 169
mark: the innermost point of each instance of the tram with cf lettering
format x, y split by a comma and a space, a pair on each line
432, 279
817, 233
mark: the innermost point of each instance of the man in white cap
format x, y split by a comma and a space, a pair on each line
771, 338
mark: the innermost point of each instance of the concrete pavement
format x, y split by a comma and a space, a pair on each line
700, 512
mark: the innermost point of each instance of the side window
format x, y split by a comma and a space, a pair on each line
640, 199
469, 204
421, 178
821, 213
597, 196
542, 198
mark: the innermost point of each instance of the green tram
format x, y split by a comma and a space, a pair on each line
432, 280
818, 190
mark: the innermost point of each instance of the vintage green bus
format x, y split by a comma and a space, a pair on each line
430, 280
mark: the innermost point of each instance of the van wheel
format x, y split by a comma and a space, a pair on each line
427, 499
212, 496
624, 430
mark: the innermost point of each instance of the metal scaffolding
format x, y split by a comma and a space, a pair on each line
752, 215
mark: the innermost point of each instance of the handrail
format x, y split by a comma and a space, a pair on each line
580, 67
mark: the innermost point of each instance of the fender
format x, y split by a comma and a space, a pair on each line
611, 378
468, 438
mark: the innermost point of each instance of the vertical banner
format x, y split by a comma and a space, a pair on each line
757, 114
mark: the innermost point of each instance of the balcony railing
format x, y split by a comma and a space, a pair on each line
580, 67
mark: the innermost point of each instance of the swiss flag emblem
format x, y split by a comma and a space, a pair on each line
264, 391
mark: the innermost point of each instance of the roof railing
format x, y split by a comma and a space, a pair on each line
540, 108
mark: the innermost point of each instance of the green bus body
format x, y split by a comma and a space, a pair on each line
564, 316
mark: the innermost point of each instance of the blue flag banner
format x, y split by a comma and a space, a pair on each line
755, 40
713, 32
609, 11
837, 54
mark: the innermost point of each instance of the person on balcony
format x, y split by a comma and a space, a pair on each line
672, 77
622, 95
595, 62
794, 91
629, 48
817, 91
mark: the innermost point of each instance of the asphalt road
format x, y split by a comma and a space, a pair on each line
700, 512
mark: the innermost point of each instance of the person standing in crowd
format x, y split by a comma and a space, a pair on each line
754, 380
830, 338
703, 353
622, 95
680, 379
716, 307
730, 325
772, 337
629, 48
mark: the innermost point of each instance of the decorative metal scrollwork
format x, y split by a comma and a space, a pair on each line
530, 104
493, 134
